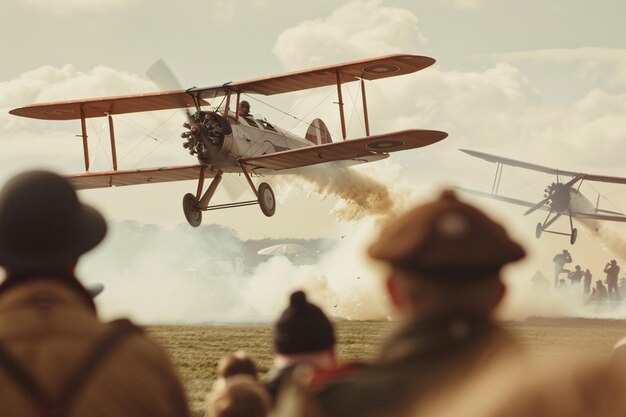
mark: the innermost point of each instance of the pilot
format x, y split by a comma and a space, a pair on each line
244, 109
444, 260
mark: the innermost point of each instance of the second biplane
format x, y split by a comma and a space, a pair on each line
560, 197
226, 142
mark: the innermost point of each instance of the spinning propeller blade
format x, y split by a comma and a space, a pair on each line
545, 200
161, 74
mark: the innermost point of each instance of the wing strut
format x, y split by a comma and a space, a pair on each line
497, 178
83, 127
367, 122
112, 135
340, 103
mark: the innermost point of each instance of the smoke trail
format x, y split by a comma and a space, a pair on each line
360, 194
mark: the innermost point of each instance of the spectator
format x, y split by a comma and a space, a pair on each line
235, 364
302, 335
56, 357
576, 276
560, 259
240, 396
587, 282
444, 282
612, 272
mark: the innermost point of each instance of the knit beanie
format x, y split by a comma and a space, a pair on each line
302, 328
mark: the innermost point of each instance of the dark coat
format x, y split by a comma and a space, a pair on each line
420, 360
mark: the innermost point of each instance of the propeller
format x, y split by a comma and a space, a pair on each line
204, 130
550, 192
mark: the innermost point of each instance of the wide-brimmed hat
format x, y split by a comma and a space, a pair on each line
42, 223
446, 239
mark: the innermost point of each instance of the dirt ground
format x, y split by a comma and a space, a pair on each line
196, 349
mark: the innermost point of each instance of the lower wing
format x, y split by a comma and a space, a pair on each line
135, 177
358, 150
503, 198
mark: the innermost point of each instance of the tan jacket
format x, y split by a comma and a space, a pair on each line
49, 329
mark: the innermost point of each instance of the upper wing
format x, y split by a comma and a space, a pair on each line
100, 107
369, 69
135, 177
346, 150
541, 168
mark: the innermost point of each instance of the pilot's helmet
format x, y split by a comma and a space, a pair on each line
446, 239
245, 104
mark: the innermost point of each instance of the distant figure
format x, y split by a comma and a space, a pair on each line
587, 282
244, 109
622, 287
236, 363
600, 291
576, 276
302, 335
444, 260
56, 357
560, 259
239, 396
612, 272
540, 283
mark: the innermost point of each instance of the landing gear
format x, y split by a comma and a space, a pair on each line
267, 201
573, 236
192, 212
538, 230
194, 205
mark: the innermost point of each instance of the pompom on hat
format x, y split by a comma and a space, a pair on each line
302, 328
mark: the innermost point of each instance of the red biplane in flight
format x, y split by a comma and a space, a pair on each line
225, 141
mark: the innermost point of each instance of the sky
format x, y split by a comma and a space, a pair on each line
536, 81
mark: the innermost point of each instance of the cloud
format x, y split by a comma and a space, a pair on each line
27, 142
591, 64
355, 30
70, 7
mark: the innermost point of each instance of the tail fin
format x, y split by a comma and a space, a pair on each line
318, 133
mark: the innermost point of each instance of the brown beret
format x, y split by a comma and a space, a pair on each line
446, 238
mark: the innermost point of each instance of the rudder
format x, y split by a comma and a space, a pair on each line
318, 133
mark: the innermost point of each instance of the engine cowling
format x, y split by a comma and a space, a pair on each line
205, 135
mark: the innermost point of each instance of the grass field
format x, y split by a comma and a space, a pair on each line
196, 349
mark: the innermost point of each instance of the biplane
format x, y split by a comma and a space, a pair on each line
225, 141
562, 197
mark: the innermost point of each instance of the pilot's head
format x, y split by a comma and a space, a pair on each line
244, 108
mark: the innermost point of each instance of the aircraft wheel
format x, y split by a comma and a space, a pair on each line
266, 199
192, 212
538, 230
574, 235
